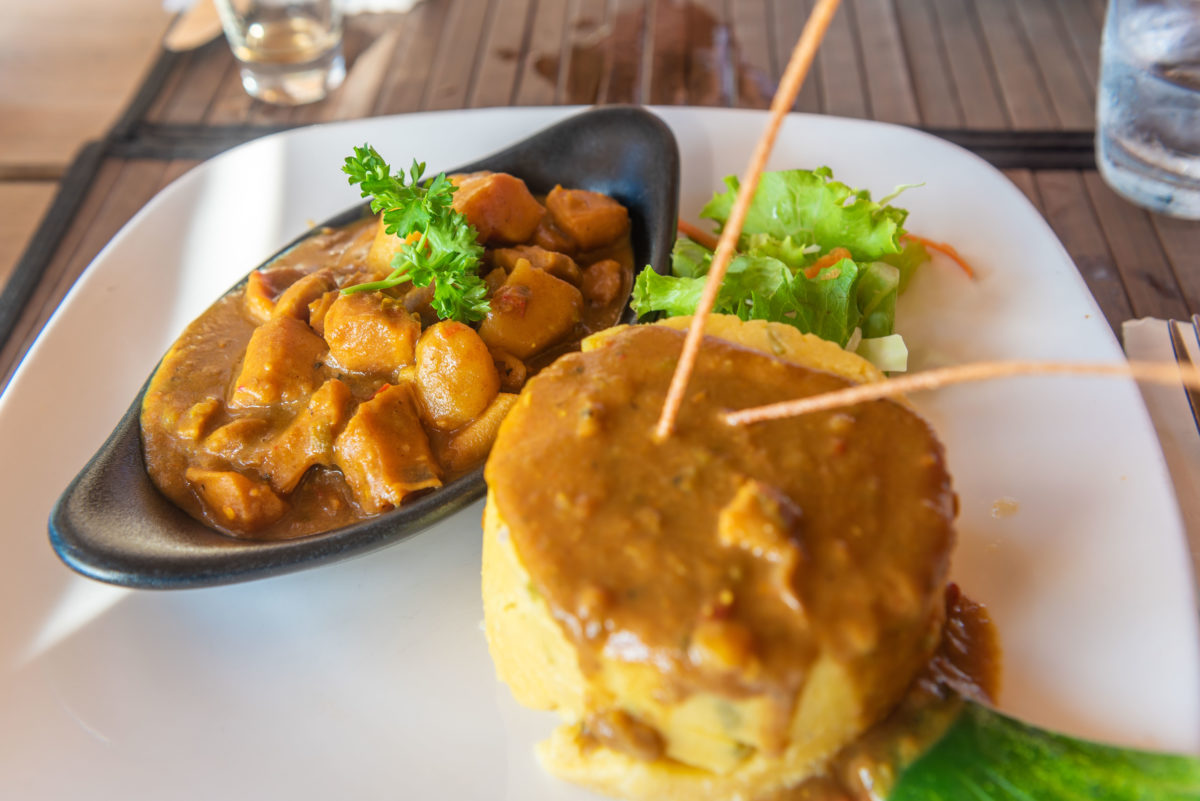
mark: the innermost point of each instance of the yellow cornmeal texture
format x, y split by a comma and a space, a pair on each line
633, 727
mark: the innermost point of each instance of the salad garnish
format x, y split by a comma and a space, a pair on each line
814, 253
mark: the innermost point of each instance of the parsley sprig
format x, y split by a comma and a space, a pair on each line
446, 253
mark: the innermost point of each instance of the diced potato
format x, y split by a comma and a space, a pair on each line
602, 282
550, 237
308, 439
499, 206
282, 364
196, 419
495, 279
590, 218
262, 287
532, 311
763, 521
238, 503
239, 441
511, 369
418, 300
560, 265
469, 446
295, 299
384, 453
456, 378
369, 332
317, 310
384, 249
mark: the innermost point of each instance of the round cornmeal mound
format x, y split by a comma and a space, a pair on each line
715, 615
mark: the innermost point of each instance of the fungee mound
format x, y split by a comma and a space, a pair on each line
717, 615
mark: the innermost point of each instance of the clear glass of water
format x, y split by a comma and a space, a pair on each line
1148, 109
289, 51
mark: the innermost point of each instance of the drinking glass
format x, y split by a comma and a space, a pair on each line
289, 51
1148, 109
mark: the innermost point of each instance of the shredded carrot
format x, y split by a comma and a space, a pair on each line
698, 236
942, 247
829, 259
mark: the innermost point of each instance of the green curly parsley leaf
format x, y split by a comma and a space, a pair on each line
447, 251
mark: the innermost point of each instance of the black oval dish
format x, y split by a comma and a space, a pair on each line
112, 524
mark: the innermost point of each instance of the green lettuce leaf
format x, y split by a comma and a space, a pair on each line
762, 288
672, 295
876, 297
826, 305
690, 259
789, 202
796, 251
912, 255
796, 217
985, 756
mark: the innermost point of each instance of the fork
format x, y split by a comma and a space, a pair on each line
1184, 360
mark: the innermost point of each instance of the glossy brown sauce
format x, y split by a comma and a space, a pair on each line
204, 362
966, 665
728, 558
193, 393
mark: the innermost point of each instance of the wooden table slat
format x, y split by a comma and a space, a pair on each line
22, 204
501, 54
843, 87
708, 60
1149, 281
364, 81
538, 79
928, 66
1180, 240
787, 20
1068, 209
1083, 35
622, 84
1024, 181
889, 86
974, 81
112, 199
192, 97
175, 169
667, 28
1021, 84
1070, 92
754, 86
231, 105
457, 58
409, 72
586, 51
157, 108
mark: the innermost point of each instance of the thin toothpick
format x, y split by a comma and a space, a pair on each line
789, 87
1147, 372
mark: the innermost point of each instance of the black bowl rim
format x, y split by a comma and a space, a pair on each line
231, 560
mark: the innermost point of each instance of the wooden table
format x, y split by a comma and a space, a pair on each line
1013, 81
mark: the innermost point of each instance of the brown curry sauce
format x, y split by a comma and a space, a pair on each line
211, 438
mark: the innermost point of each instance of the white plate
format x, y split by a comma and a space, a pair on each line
370, 679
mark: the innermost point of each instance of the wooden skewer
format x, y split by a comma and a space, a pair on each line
785, 96
1148, 372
